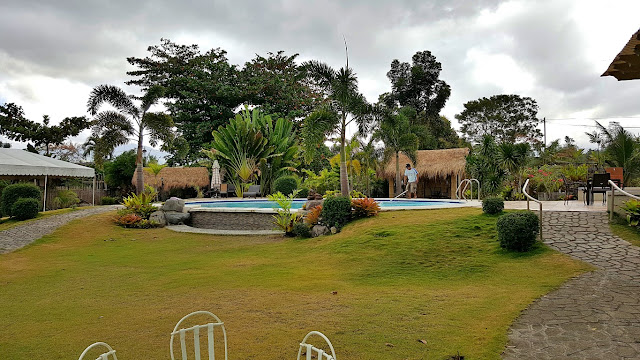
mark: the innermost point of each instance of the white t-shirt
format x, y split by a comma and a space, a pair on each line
411, 174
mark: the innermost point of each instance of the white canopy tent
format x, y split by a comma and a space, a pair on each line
16, 163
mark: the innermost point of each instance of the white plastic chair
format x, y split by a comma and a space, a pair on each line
104, 356
310, 348
209, 327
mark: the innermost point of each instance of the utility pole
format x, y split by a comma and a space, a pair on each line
544, 124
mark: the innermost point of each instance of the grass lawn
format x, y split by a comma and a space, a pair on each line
436, 275
7, 223
621, 229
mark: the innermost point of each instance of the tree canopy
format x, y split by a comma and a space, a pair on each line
507, 118
16, 127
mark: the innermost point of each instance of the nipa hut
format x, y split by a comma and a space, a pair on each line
626, 65
439, 172
175, 178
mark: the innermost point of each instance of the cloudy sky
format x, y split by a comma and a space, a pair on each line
52, 53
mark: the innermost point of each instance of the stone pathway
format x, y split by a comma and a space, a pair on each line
22, 235
594, 316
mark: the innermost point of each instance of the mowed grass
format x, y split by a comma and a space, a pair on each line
433, 275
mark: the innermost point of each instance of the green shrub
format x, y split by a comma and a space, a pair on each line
518, 231
336, 211
12, 193
65, 199
3, 184
25, 208
108, 200
492, 205
303, 193
302, 230
285, 184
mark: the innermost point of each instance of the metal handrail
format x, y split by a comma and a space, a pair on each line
466, 183
529, 197
614, 186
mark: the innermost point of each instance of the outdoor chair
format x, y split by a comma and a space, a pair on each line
223, 190
231, 190
103, 356
600, 185
208, 328
254, 191
570, 188
310, 349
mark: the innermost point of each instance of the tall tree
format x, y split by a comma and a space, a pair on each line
623, 150
279, 86
202, 89
345, 105
128, 119
506, 118
484, 163
395, 131
16, 127
418, 84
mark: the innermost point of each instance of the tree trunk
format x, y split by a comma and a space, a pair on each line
139, 167
344, 181
398, 178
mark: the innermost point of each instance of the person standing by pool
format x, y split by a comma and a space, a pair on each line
411, 179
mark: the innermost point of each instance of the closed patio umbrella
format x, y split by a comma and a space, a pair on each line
215, 177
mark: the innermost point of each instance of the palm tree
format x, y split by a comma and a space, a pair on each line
129, 120
369, 157
624, 151
394, 130
513, 157
345, 105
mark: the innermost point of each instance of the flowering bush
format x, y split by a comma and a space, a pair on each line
545, 179
128, 220
364, 207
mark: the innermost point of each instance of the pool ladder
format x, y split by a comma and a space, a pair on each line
461, 190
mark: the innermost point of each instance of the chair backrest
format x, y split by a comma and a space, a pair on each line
231, 188
617, 173
209, 327
254, 188
601, 180
103, 356
310, 349
223, 188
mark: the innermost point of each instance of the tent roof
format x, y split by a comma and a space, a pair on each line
16, 162
626, 65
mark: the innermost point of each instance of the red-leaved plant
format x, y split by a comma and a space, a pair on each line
364, 207
313, 216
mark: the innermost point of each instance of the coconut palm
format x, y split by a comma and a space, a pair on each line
345, 105
394, 130
128, 120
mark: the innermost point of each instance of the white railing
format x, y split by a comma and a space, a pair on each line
466, 182
615, 187
529, 197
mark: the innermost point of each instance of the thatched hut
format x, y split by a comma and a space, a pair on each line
626, 65
175, 178
439, 171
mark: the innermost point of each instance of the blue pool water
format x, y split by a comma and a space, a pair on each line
297, 204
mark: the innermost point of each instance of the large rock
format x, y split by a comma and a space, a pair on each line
177, 218
158, 217
310, 204
319, 230
173, 204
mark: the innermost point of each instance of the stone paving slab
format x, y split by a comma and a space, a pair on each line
595, 315
23, 235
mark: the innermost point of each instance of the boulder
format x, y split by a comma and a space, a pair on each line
177, 218
334, 230
158, 217
310, 204
173, 204
319, 230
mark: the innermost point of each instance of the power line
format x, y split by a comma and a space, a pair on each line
595, 118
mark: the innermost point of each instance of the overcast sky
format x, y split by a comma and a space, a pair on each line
52, 53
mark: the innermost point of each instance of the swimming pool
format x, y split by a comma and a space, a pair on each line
250, 215
388, 204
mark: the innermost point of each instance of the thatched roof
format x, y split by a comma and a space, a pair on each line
176, 177
431, 163
626, 65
